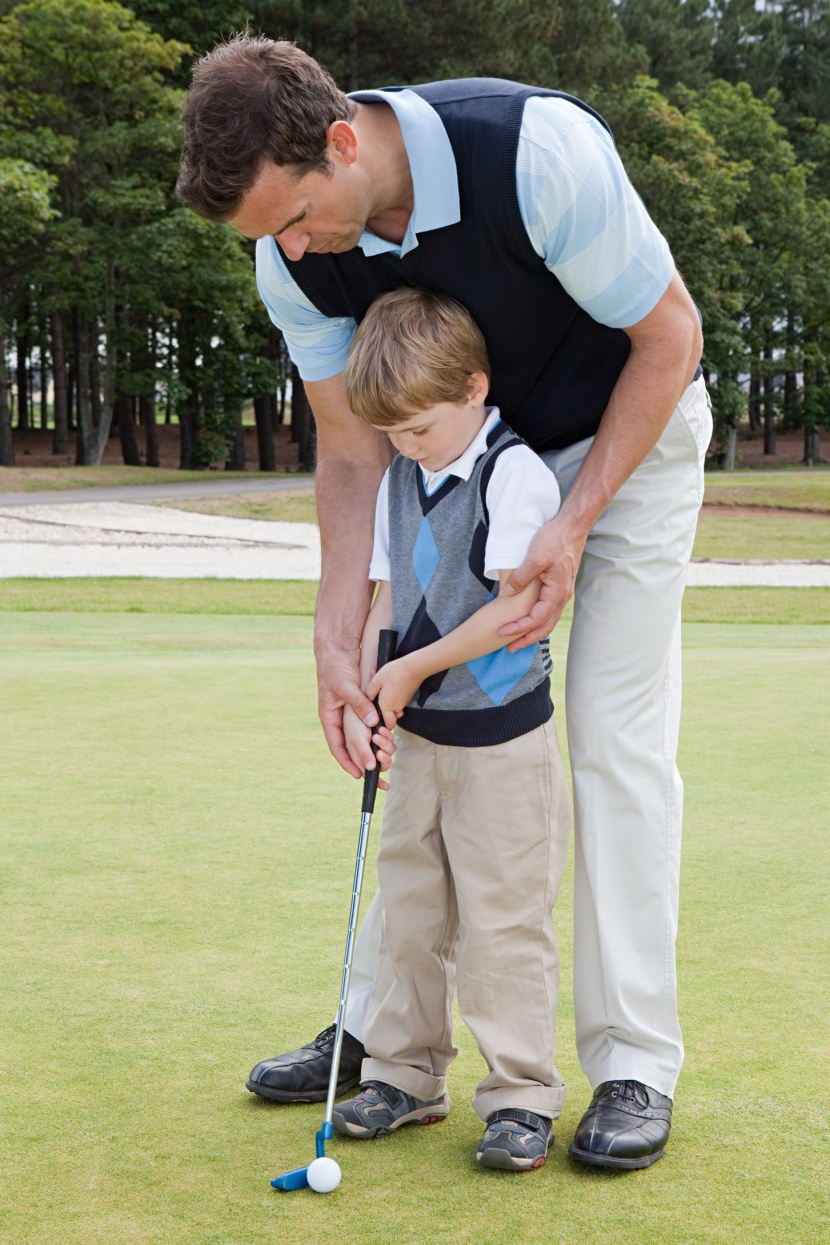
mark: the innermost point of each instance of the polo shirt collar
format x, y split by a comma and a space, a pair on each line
431, 162
463, 465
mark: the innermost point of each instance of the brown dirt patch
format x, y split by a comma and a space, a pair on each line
752, 512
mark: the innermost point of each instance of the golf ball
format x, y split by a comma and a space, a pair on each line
323, 1175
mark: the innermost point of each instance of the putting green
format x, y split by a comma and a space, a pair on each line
178, 852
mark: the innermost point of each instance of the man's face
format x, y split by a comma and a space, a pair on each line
314, 214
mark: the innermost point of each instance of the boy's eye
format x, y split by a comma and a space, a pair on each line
420, 432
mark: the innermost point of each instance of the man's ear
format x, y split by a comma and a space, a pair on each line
341, 141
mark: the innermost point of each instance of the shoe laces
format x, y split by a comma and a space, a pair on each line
325, 1040
630, 1091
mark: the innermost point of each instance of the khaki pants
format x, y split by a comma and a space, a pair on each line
471, 855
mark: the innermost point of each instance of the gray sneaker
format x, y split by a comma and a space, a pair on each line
515, 1140
380, 1108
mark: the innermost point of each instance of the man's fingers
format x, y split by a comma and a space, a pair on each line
336, 741
520, 578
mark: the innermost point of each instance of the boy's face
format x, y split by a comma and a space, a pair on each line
436, 437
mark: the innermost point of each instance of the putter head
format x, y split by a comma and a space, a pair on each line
288, 1181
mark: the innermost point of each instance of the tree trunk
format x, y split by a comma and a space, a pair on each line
147, 414
188, 406
236, 456
303, 429
769, 407
23, 377
812, 447
754, 402
125, 418
60, 439
730, 441
44, 381
263, 406
104, 422
6, 442
85, 440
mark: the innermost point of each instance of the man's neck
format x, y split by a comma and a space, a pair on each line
385, 160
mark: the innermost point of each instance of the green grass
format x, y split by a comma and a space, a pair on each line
724, 535
297, 597
178, 852
787, 488
293, 507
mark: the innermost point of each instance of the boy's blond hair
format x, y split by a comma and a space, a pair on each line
414, 349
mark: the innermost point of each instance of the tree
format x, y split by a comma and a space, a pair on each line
677, 36
25, 211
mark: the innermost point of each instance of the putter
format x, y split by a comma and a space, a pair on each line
298, 1179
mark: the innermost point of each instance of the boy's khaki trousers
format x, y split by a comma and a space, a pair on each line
470, 860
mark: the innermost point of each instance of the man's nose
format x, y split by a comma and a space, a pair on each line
295, 243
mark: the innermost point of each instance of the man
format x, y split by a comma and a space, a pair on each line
514, 201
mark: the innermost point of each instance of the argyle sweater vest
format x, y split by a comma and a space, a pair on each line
436, 545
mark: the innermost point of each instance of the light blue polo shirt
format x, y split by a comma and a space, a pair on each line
582, 216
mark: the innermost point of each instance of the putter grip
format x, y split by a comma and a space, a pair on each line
387, 641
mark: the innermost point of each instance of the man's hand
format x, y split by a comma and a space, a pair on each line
338, 686
553, 557
395, 685
358, 738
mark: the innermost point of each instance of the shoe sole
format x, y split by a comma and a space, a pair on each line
284, 1095
608, 1160
423, 1115
504, 1161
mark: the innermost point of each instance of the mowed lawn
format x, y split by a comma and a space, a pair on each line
177, 863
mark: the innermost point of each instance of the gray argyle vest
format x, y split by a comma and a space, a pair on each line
436, 545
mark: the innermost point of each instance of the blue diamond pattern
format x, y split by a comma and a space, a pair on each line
498, 673
425, 555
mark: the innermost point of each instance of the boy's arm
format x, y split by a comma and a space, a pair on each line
478, 635
359, 736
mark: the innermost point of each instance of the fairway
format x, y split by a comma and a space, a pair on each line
177, 863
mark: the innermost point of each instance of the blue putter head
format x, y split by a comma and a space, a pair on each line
288, 1181
298, 1179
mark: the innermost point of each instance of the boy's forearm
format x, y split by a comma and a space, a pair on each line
476, 636
380, 617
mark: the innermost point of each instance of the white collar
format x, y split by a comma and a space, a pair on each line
463, 465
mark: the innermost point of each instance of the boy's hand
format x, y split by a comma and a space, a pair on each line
359, 738
395, 684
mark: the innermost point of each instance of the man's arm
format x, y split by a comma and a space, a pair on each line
665, 350
397, 682
351, 459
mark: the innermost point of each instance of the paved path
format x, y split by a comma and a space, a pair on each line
83, 533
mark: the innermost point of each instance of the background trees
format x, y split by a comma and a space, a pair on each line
116, 307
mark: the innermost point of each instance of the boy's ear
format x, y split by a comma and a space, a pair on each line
479, 388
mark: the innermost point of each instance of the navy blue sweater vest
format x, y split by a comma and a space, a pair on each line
554, 367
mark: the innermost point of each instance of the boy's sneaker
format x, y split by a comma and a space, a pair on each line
380, 1108
515, 1141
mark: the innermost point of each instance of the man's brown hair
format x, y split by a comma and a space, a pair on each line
414, 349
253, 100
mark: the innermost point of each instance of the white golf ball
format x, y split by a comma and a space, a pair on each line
323, 1175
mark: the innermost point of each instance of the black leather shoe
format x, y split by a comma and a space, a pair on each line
627, 1125
303, 1075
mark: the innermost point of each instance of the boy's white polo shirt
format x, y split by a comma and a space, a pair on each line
522, 496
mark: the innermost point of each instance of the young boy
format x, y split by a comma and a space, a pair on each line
476, 823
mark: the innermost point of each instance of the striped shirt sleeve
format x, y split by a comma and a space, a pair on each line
317, 344
583, 216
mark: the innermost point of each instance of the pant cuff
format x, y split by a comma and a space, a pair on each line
409, 1080
627, 1069
544, 1100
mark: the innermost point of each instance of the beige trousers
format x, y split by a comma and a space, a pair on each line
470, 860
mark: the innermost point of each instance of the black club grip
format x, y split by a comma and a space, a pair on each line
387, 642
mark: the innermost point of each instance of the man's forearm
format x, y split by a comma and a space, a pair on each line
345, 508
664, 356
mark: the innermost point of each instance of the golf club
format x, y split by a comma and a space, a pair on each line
327, 1176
